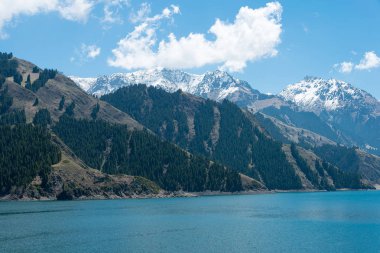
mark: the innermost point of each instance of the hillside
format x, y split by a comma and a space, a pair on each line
36, 165
97, 133
219, 131
53, 92
115, 150
353, 112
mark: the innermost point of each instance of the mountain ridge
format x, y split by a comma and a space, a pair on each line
216, 85
318, 94
327, 99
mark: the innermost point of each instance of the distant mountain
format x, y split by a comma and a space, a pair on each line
352, 112
319, 95
84, 82
330, 108
216, 85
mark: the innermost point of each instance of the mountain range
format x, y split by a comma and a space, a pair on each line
61, 142
333, 109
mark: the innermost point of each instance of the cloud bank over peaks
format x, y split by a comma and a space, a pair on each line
253, 35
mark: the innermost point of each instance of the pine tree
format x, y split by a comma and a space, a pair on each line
42, 117
17, 78
28, 83
35, 69
70, 109
95, 111
61, 103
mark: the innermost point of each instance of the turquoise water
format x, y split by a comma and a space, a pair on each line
287, 222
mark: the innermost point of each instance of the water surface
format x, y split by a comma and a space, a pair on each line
286, 222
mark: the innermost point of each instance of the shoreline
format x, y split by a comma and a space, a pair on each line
179, 194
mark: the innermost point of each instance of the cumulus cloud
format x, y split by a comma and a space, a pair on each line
74, 10
369, 61
253, 35
90, 51
344, 67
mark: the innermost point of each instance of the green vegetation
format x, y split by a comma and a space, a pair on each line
2, 81
28, 83
8, 65
26, 151
36, 101
302, 164
115, 150
61, 103
43, 77
17, 78
95, 111
6, 101
237, 143
8, 68
36, 69
270, 128
42, 118
343, 179
13, 118
70, 109
342, 157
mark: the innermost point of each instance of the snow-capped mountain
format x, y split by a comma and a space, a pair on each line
330, 108
352, 112
216, 85
317, 95
84, 82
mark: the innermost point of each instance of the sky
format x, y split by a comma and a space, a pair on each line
270, 44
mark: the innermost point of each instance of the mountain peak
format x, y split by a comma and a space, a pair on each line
216, 85
318, 94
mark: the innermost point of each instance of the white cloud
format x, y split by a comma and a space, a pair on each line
175, 8
85, 53
90, 51
344, 67
141, 14
254, 34
112, 9
74, 10
369, 61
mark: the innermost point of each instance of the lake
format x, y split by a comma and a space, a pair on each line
284, 222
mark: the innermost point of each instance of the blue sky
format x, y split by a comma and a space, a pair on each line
311, 37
